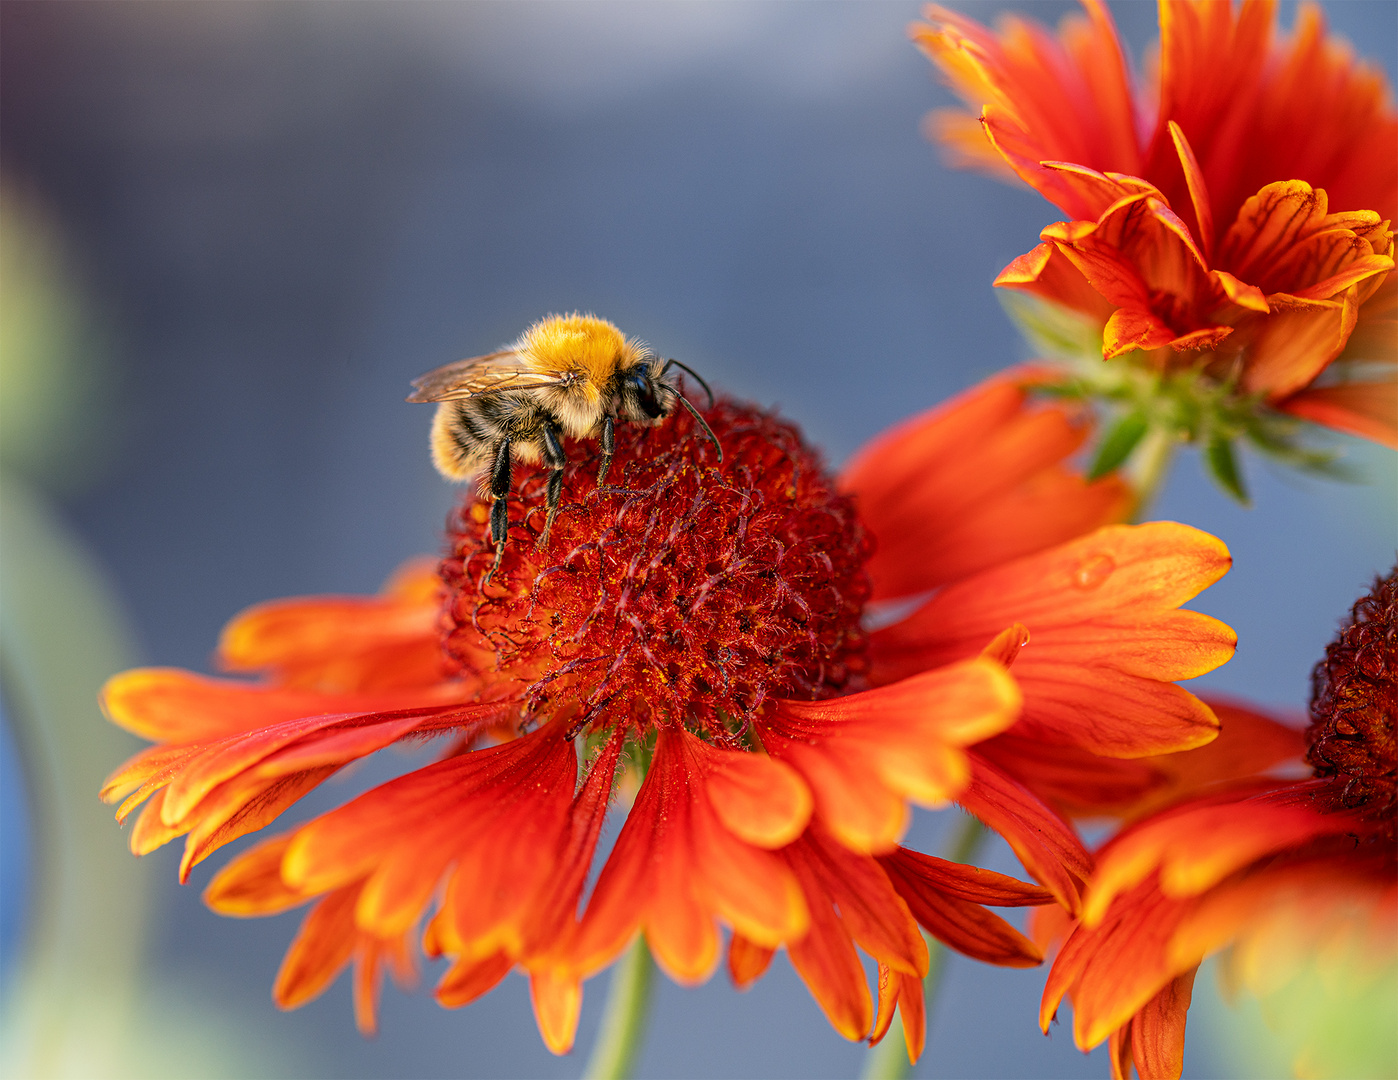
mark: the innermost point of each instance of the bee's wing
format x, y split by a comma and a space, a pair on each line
479, 375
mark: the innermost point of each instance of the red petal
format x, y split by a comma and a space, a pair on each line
962, 924
1157, 1031
972, 483
1369, 410
927, 873
747, 962
468, 979
1044, 842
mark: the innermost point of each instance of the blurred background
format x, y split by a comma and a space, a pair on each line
232, 232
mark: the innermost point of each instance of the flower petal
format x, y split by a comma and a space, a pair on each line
252, 883
864, 754
972, 483
747, 962
1103, 636
557, 1004
1369, 410
344, 644
1157, 1031
468, 979
1044, 842
757, 798
964, 925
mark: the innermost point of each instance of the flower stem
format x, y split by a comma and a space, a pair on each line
889, 1060
624, 1019
1149, 468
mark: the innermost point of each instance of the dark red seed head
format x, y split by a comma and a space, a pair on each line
684, 591
1354, 704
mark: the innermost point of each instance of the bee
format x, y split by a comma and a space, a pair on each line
572, 375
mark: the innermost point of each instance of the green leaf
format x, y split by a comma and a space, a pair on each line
1223, 466
1116, 446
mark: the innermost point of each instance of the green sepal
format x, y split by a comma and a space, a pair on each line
1116, 446
1223, 467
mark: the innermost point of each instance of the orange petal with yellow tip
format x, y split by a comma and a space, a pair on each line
321, 949
1114, 970
865, 753
747, 962
1103, 636
972, 483
828, 964
143, 774
252, 883
758, 799
264, 634
1060, 99
225, 758
239, 807
1248, 745
150, 831
872, 911
1196, 846
344, 644
557, 1002
174, 706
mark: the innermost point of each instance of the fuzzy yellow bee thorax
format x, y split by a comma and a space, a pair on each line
585, 344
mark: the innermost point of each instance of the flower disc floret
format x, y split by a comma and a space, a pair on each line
681, 591
1354, 705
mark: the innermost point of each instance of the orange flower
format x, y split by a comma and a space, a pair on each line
700, 627
1233, 217
1284, 873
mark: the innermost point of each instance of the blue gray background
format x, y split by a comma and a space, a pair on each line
285, 211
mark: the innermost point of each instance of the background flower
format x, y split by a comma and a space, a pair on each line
1233, 227
1295, 878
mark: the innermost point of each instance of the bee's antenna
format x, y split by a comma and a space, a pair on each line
686, 368
695, 413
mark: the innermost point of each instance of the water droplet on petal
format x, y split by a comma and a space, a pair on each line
1093, 571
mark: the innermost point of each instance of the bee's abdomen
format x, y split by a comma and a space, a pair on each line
463, 433
466, 433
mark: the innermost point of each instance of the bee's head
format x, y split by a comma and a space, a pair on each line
643, 394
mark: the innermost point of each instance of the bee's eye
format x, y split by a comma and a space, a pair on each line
644, 388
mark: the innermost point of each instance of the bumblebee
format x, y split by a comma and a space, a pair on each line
574, 375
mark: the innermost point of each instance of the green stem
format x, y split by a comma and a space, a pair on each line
889, 1060
624, 1020
1149, 468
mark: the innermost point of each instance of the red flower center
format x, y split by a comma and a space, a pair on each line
684, 591
1355, 702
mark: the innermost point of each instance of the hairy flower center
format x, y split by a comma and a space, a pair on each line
1354, 704
683, 591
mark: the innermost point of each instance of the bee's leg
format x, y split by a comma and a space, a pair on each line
551, 449
499, 495
608, 448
